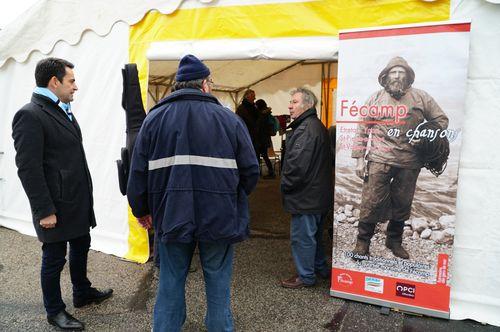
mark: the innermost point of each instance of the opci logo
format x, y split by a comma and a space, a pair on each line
344, 278
405, 290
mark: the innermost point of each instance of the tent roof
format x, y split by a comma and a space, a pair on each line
227, 75
51, 21
294, 48
237, 69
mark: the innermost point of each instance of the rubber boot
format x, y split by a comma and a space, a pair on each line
361, 251
394, 239
365, 233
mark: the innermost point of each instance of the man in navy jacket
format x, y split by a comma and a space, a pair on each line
192, 170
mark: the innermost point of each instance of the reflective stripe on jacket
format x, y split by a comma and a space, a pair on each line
192, 168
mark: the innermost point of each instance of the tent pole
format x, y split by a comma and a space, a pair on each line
327, 108
167, 87
234, 97
323, 93
152, 96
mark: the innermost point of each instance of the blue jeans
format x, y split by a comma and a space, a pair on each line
306, 233
217, 263
53, 260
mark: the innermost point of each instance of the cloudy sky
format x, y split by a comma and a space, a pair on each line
10, 9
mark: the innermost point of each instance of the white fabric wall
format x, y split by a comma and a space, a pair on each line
97, 106
476, 262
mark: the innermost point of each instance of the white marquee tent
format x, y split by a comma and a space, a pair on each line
99, 37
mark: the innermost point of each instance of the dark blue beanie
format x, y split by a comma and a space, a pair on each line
191, 68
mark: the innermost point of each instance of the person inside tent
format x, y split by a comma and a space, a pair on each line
266, 127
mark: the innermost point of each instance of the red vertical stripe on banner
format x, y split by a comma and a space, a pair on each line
442, 269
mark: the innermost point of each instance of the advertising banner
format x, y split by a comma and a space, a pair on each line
400, 107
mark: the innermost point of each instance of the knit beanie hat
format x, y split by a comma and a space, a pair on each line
191, 68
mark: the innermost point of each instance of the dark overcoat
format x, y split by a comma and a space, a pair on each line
53, 169
248, 112
306, 177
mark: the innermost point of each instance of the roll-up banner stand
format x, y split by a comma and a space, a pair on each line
400, 107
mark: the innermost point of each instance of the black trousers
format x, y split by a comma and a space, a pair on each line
53, 260
263, 152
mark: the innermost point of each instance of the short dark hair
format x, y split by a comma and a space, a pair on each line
261, 104
193, 84
49, 67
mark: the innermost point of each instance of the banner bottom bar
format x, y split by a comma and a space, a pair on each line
395, 305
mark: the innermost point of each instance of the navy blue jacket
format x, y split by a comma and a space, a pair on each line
192, 169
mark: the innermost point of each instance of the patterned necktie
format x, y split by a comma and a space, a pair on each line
67, 109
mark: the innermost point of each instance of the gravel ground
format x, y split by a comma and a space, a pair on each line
258, 302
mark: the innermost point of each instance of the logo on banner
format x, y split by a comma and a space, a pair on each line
374, 285
405, 290
345, 279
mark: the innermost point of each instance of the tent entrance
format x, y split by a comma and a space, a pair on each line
270, 66
272, 70
230, 77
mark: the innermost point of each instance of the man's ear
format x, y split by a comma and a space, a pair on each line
53, 82
204, 86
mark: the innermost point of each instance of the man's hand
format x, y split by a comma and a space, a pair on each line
49, 222
146, 221
360, 168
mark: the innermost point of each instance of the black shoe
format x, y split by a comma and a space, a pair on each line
93, 296
65, 321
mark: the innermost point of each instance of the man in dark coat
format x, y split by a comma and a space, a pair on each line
306, 187
249, 113
54, 173
192, 170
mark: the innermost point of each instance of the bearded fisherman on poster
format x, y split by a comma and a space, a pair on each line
388, 138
